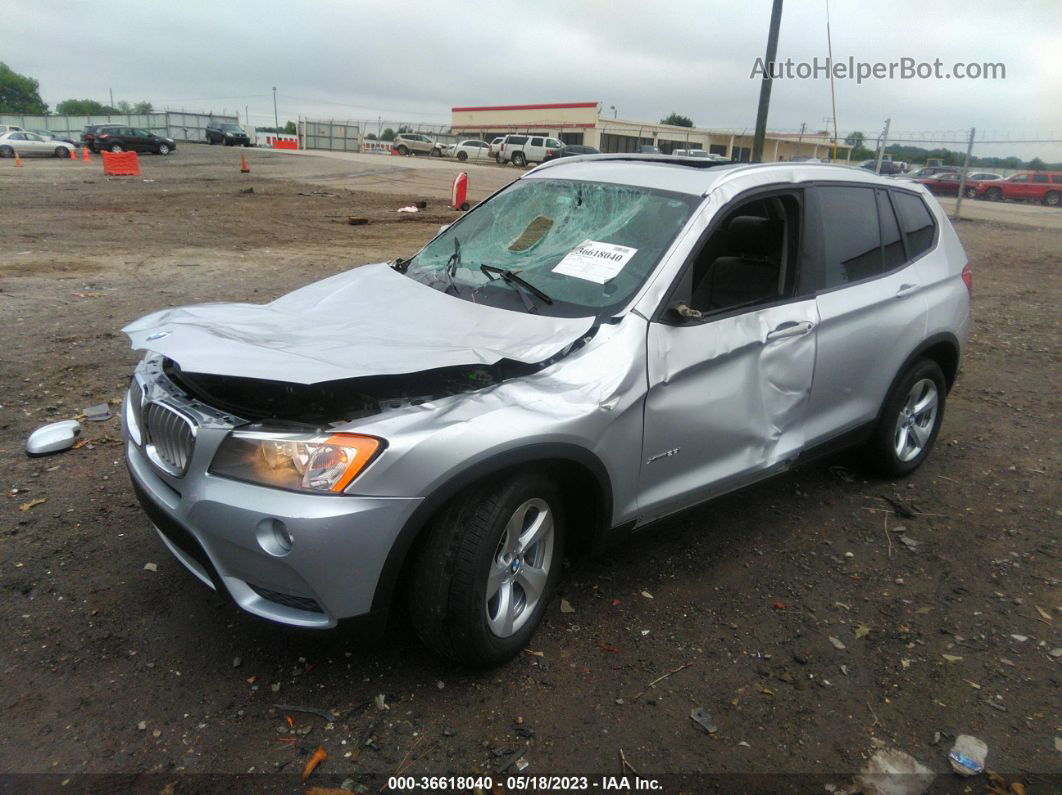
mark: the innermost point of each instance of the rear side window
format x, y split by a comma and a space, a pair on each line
916, 222
536, 142
851, 237
1039, 178
891, 241
1056, 178
516, 139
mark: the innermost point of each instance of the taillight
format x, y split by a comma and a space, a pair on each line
501, 147
967, 278
105, 135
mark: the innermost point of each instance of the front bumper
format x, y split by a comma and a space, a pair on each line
221, 531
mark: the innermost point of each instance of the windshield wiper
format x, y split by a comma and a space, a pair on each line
521, 285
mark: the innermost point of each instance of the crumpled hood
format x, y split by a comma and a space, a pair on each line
366, 321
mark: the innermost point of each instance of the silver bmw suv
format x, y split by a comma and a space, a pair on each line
606, 341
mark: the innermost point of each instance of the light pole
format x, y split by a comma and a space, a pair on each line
276, 118
765, 83
615, 112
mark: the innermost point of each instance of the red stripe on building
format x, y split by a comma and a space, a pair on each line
554, 106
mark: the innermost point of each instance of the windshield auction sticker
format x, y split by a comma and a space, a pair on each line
594, 261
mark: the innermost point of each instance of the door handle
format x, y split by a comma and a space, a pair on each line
905, 289
790, 329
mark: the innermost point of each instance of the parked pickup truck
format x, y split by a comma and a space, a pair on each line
523, 149
1042, 186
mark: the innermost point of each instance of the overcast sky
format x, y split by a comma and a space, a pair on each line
408, 60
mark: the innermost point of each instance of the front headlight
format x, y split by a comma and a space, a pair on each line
322, 463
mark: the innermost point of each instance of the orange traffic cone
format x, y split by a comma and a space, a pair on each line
244, 168
72, 155
18, 161
85, 155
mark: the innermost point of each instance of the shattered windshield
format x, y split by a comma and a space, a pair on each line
555, 247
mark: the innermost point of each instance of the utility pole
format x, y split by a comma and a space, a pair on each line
112, 96
833, 92
882, 143
965, 168
765, 83
276, 117
800, 138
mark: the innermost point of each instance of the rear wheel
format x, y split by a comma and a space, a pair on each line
1053, 199
62, 151
7, 151
970, 193
462, 156
483, 579
116, 147
910, 421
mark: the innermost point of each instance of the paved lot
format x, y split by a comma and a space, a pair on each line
107, 666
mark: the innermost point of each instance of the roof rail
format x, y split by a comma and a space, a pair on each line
693, 162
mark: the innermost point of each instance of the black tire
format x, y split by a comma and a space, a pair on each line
498, 158
971, 193
994, 194
880, 452
116, 147
448, 590
7, 151
462, 156
519, 159
402, 150
1053, 198
163, 149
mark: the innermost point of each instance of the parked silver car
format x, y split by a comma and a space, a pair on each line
604, 342
29, 144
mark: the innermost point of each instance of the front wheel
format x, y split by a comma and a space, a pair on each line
519, 159
462, 156
482, 581
402, 150
1053, 199
910, 421
116, 148
62, 151
994, 194
164, 149
970, 193
7, 151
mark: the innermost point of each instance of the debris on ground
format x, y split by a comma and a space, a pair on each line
997, 785
32, 504
837, 643
306, 710
357, 220
409, 209
703, 719
151, 567
53, 437
315, 759
891, 771
967, 756
566, 606
101, 412
247, 190
381, 702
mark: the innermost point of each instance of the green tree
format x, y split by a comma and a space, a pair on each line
370, 136
387, 135
676, 120
143, 106
1036, 164
19, 93
84, 107
290, 128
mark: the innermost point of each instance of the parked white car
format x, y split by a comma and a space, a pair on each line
523, 149
472, 149
27, 144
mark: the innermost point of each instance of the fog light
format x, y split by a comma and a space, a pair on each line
274, 537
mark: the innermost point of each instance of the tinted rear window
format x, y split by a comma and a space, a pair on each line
916, 222
892, 242
516, 139
851, 238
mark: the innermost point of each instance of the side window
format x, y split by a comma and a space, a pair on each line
891, 241
851, 237
750, 258
1039, 178
536, 142
916, 222
141, 133
1020, 178
1056, 178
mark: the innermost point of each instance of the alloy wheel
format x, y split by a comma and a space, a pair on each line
520, 568
916, 420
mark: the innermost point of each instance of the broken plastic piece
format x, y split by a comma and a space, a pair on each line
53, 438
98, 413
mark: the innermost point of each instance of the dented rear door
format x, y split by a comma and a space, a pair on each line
726, 402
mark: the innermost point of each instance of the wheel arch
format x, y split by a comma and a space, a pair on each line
942, 348
579, 473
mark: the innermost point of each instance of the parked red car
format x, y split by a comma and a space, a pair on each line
1041, 186
946, 183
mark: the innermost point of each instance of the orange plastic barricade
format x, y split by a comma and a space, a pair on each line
282, 144
120, 164
459, 192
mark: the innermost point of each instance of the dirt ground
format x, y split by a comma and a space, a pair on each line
108, 666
